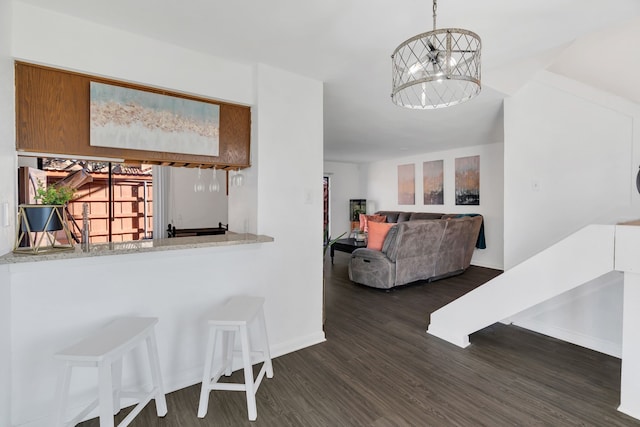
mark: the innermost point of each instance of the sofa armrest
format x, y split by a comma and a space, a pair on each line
372, 268
369, 254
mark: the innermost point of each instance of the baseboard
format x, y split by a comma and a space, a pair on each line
485, 265
297, 344
607, 347
193, 376
632, 412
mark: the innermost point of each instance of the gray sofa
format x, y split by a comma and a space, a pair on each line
418, 248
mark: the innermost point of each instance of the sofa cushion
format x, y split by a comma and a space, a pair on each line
404, 216
397, 216
390, 242
424, 215
392, 216
377, 233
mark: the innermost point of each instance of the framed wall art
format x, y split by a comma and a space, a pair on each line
135, 119
468, 180
433, 182
407, 184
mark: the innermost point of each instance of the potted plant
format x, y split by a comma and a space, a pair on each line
39, 223
48, 214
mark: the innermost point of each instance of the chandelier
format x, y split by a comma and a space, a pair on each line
436, 69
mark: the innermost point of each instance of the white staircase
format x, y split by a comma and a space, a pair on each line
581, 257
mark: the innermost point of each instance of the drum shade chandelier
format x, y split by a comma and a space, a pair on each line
436, 69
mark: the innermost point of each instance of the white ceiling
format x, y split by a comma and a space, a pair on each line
347, 44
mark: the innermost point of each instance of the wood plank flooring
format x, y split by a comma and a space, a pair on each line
379, 368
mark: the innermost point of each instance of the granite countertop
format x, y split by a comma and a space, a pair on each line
140, 246
635, 222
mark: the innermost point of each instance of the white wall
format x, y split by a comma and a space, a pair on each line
344, 184
383, 190
290, 209
589, 316
571, 155
7, 128
176, 286
7, 195
568, 162
188, 209
89, 47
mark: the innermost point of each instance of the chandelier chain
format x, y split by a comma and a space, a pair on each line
435, 8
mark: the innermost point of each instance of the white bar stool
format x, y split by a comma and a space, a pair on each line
104, 350
235, 316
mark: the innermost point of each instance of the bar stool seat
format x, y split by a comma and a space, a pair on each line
236, 316
104, 350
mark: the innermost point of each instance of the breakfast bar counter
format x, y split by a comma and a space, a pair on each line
50, 301
139, 246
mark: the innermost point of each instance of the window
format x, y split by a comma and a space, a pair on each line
119, 197
128, 202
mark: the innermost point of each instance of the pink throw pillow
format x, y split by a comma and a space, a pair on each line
377, 233
365, 219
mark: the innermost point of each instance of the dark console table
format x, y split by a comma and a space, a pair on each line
172, 231
346, 245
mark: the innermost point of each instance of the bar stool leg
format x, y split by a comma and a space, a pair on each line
248, 374
203, 406
265, 345
64, 378
116, 374
105, 395
228, 340
154, 362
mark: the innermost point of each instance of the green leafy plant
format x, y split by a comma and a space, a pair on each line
53, 195
329, 241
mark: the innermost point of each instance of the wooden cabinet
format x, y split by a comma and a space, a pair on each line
52, 116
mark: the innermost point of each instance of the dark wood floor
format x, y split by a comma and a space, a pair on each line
379, 368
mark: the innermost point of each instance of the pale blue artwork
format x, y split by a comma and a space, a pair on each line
139, 120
